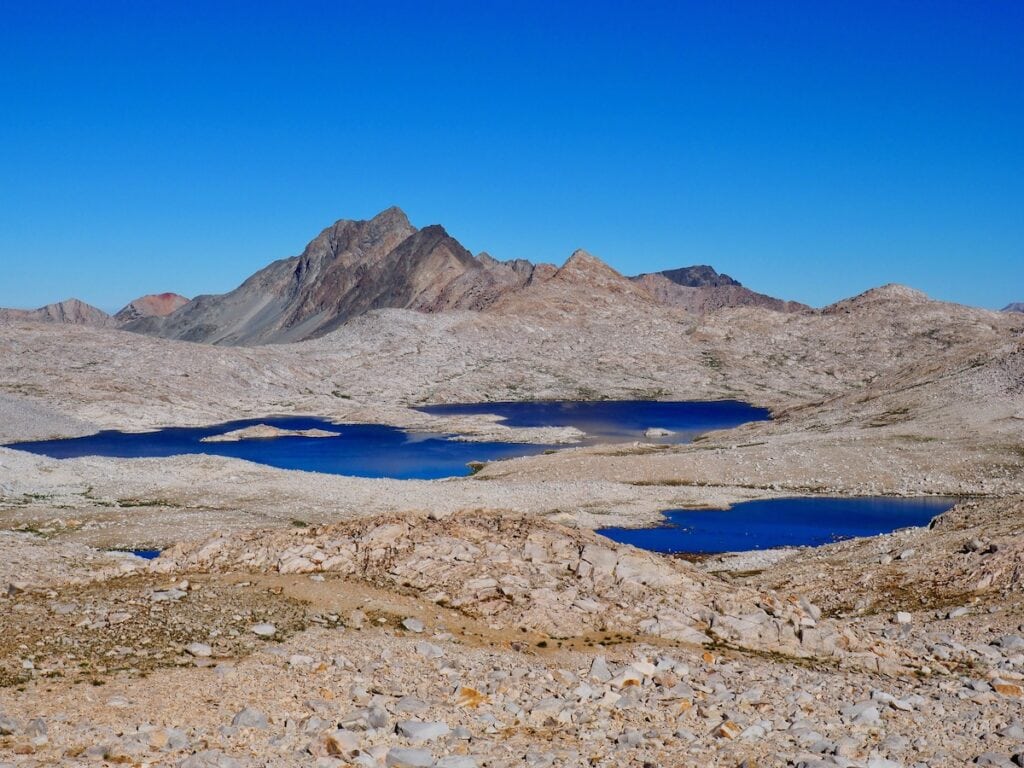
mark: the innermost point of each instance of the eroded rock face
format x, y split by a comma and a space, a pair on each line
524, 572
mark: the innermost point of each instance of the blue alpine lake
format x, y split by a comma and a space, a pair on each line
375, 450
769, 523
361, 450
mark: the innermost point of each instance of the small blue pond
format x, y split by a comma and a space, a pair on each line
145, 554
374, 450
780, 523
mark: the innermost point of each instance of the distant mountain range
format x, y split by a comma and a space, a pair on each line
353, 267
77, 312
1017, 306
71, 311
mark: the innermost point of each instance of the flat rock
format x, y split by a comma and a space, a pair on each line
250, 718
413, 624
199, 650
401, 757
263, 630
419, 732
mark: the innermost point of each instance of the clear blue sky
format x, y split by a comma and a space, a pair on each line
810, 149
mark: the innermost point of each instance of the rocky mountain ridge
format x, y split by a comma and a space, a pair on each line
354, 267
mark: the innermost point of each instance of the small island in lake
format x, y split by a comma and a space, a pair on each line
266, 432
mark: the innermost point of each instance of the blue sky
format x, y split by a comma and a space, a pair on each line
810, 149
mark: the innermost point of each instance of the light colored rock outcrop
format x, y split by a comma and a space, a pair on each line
265, 432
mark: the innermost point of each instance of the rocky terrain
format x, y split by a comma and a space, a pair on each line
490, 639
297, 619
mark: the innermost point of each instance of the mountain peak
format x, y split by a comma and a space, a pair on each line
70, 311
890, 292
583, 264
894, 292
392, 217
390, 225
151, 305
1017, 306
697, 276
349, 268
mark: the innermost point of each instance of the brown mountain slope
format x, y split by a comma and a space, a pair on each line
348, 269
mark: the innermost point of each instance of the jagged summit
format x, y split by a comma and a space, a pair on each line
584, 266
393, 216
